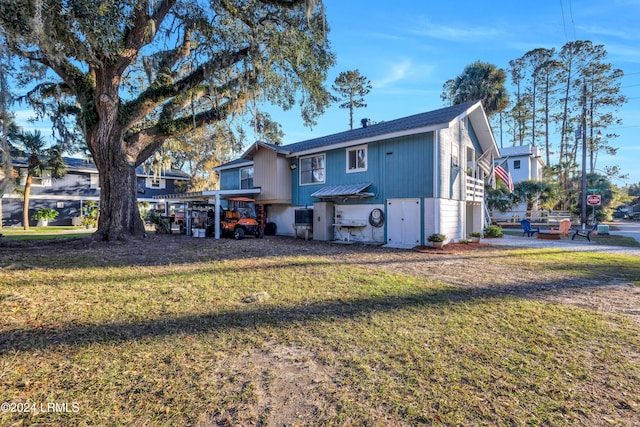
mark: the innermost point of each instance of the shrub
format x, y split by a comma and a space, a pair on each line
44, 213
437, 237
493, 231
475, 234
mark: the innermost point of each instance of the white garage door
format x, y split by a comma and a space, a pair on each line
403, 223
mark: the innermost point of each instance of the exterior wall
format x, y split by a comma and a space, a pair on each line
272, 174
283, 216
265, 173
444, 216
452, 149
397, 168
530, 162
359, 213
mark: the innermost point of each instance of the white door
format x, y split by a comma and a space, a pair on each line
403, 222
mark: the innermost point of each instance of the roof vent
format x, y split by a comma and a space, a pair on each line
365, 122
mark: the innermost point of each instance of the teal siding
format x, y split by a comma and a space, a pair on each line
230, 179
408, 167
397, 168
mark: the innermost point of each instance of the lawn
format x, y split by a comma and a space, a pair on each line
178, 331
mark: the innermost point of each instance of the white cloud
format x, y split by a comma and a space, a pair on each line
461, 33
397, 72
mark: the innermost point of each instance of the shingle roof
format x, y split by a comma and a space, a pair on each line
74, 163
430, 118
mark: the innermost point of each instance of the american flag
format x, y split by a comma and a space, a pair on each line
505, 176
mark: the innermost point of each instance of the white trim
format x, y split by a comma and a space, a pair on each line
348, 150
323, 154
233, 166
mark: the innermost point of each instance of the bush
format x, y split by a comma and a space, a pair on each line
44, 213
493, 231
475, 234
437, 237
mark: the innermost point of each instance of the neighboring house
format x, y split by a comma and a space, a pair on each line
79, 185
394, 182
524, 162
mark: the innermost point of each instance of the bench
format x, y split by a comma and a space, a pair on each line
585, 233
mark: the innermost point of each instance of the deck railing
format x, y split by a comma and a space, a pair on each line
537, 216
474, 189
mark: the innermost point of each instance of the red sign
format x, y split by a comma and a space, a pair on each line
593, 200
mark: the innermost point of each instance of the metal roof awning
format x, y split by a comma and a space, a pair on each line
207, 194
342, 191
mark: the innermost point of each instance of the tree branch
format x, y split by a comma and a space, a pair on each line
140, 145
154, 96
142, 32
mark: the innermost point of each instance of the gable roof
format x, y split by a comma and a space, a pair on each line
417, 123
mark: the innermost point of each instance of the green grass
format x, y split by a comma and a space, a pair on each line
44, 233
157, 345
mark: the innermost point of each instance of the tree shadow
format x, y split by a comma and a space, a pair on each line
256, 316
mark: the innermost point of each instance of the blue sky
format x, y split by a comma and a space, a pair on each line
408, 49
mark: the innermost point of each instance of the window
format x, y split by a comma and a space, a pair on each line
516, 164
36, 181
312, 169
357, 159
246, 177
94, 181
158, 184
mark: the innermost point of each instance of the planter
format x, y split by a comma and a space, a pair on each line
437, 245
42, 223
476, 239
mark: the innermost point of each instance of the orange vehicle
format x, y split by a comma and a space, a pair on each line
238, 219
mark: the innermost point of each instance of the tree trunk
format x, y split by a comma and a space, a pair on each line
25, 204
118, 217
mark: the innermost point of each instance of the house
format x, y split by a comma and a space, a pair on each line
79, 185
523, 161
394, 182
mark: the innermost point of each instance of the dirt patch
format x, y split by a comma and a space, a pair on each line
287, 388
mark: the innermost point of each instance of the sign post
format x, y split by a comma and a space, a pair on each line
594, 200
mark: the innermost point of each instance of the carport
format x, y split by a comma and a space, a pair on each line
210, 196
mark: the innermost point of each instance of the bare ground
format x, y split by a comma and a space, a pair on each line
289, 384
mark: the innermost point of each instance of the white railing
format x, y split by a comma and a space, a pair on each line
474, 189
543, 216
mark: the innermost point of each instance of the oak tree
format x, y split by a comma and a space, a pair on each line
129, 74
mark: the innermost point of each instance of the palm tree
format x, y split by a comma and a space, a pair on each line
534, 193
40, 158
479, 81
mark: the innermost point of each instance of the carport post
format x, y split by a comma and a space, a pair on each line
187, 217
217, 216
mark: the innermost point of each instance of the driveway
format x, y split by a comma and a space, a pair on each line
580, 244
628, 228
